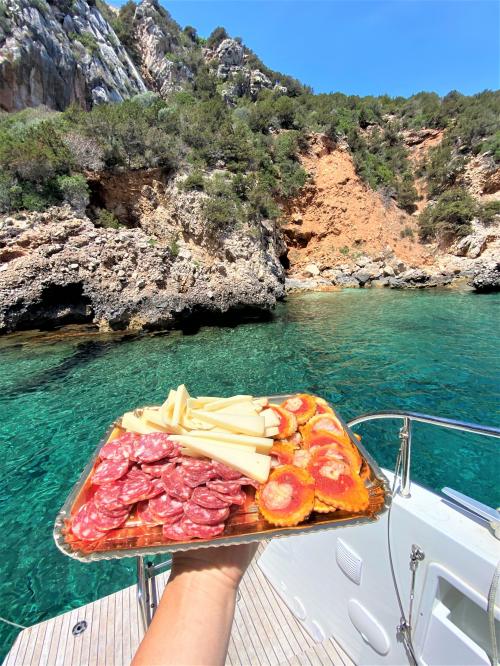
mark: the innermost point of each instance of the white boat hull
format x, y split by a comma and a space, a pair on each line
339, 583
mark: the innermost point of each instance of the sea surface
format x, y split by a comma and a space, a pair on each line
363, 350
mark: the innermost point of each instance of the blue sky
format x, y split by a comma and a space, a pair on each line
363, 47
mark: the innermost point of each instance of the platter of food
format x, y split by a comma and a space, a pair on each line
209, 471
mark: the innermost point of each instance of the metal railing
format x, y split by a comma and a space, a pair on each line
405, 435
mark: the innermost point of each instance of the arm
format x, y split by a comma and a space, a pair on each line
193, 621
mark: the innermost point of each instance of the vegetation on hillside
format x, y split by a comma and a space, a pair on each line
245, 156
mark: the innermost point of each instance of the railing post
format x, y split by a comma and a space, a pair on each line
405, 439
143, 593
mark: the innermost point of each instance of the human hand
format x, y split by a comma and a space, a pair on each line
224, 563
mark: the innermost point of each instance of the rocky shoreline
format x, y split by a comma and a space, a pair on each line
387, 271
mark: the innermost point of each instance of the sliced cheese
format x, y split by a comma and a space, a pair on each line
167, 407
261, 402
180, 403
132, 423
189, 441
272, 432
254, 465
190, 422
262, 444
243, 408
154, 417
239, 424
270, 418
198, 403
225, 402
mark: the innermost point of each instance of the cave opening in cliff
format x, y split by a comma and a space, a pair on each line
102, 214
59, 305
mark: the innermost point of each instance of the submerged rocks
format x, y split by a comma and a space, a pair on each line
57, 269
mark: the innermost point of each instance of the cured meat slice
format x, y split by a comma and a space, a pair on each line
107, 497
157, 488
158, 468
164, 506
202, 516
152, 447
208, 498
106, 521
225, 472
136, 487
82, 526
173, 482
195, 464
175, 532
198, 478
224, 487
287, 497
144, 514
238, 499
302, 405
121, 448
201, 531
245, 481
110, 470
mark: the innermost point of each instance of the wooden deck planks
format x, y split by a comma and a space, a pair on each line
265, 632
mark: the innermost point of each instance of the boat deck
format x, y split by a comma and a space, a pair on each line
264, 632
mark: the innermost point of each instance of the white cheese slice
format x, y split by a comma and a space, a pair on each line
198, 403
153, 417
225, 402
239, 424
167, 407
187, 440
243, 408
260, 402
262, 444
180, 403
270, 418
132, 423
272, 432
254, 465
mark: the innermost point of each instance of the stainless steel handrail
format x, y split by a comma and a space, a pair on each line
405, 434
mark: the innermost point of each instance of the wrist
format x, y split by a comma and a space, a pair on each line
205, 576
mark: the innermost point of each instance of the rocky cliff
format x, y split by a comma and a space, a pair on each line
57, 268
61, 53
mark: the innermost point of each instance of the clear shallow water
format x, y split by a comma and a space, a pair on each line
434, 352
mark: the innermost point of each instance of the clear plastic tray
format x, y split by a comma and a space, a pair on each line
243, 525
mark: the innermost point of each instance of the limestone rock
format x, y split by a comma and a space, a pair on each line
311, 270
55, 56
487, 277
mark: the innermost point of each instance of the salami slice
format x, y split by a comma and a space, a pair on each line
173, 483
175, 532
225, 487
238, 499
164, 506
83, 528
245, 481
107, 497
156, 488
197, 478
153, 447
110, 470
106, 521
120, 448
208, 499
202, 516
201, 531
156, 469
136, 487
225, 472
144, 514
196, 464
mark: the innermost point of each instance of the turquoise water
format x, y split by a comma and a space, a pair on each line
434, 352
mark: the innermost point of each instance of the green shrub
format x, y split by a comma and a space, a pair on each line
450, 216
492, 146
87, 40
216, 37
74, 190
107, 220
488, 212
174, 245
194, 181
407, 232
344, 250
